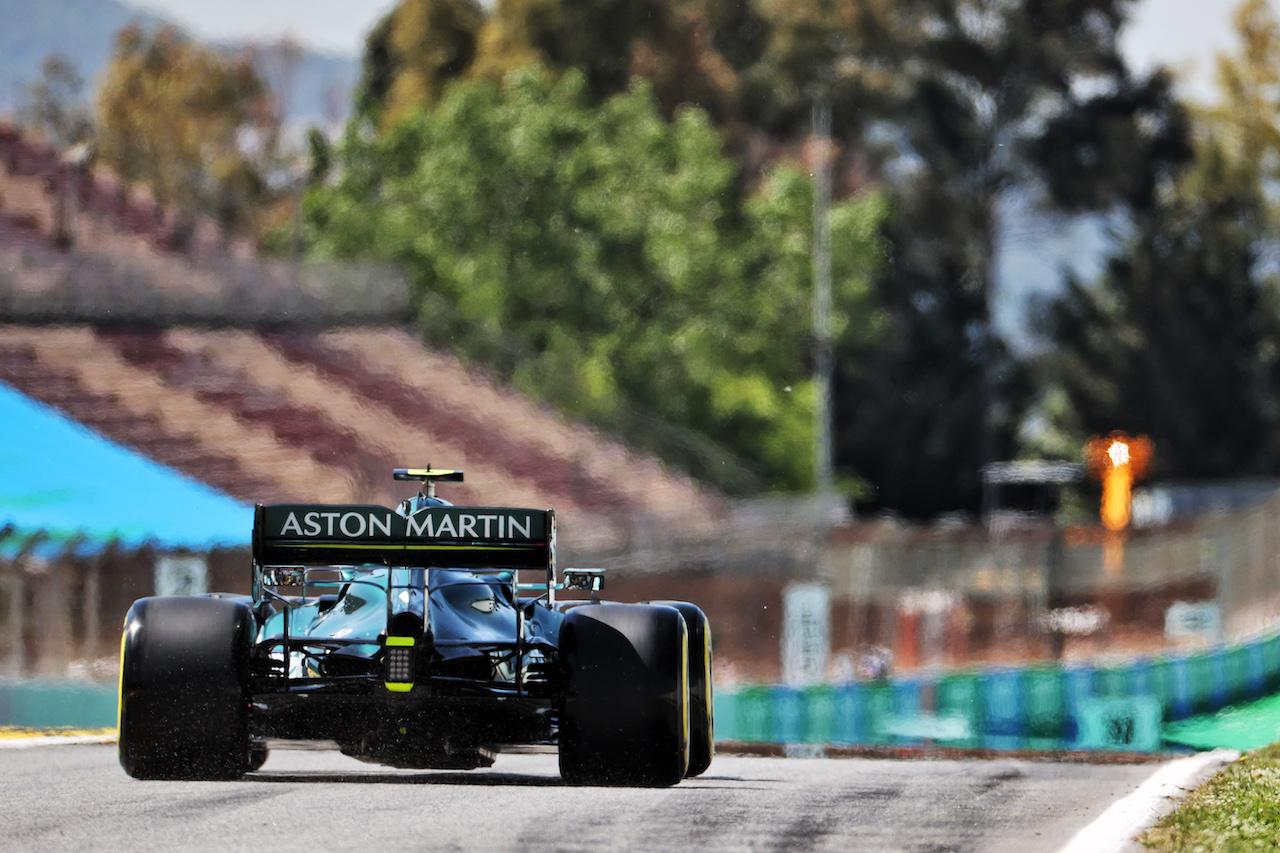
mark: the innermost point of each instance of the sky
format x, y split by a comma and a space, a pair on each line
1181, 33
336, 26
1184, 35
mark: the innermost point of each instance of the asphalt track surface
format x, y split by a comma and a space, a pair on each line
76, 797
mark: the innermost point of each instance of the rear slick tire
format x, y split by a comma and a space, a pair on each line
702, 727
624, 718
184, 699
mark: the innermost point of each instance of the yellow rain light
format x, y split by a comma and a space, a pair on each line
1118, 461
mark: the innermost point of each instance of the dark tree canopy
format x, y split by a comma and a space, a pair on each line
993, 106
1178, 341
1180, 338
413, 53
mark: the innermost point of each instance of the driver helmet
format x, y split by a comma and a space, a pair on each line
419, 501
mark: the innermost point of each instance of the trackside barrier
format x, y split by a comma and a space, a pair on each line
1003, 708
958, 701
57, 704
850, 709
1038, 706
1044, 702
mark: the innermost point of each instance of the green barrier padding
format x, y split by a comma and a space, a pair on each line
754, 717
1181, 704
851, 714
1002, 708
957, 697
1221, 696
1160, 684
820, 714
1043, 706
1139, 678
1077, 689
1271, 662
1200, 671
1002, 697
56, 704
1045, 703
910, 725
880, 713
725, 712
1257, 671
787, 715
1111, 682
919, 719
1129, 724
1235, 665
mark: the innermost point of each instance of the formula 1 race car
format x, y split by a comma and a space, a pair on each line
430, 636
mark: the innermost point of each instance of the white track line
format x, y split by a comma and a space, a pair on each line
1115, 829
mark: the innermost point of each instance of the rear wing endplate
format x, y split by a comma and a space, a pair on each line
362, 535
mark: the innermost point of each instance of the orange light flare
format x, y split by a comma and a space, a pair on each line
1118, 461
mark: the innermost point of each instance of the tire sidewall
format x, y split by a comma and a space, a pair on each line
624, 715
702, 733
184, 699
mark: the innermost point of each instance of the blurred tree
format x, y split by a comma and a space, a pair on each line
849, 53
594, 36
602, 258
1180, 339
56, 104
747, 63
276, 65
412, 53
669, 43
173, 114
991, 104
960, 109
1238, 143
283, 164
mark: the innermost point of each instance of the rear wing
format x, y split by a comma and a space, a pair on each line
364, 535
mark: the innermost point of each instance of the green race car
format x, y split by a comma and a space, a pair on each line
429, 636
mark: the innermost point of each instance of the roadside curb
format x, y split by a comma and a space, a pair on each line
24, 741
1128, 817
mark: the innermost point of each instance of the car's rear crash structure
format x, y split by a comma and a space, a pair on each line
425, 637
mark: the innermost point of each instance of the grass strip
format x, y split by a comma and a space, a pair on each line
1236, 810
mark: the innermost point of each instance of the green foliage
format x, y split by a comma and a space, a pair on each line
172, 114
685, 49
596, 37
1238, 137
56, 105
603, 258
787, 55
413, 53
